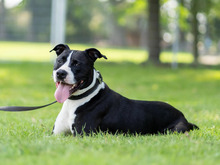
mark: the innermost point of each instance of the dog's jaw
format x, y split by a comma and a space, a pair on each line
64, 91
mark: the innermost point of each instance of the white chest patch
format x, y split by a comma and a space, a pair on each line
66, 117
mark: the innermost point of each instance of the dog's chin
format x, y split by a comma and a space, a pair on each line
65, 90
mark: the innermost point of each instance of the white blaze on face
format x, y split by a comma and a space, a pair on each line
70, 79
62, 92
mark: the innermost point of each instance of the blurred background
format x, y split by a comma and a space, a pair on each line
173, 31
143, 40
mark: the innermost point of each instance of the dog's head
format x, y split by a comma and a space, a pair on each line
73, 70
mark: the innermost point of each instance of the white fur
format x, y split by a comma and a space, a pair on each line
66, 117
70, 79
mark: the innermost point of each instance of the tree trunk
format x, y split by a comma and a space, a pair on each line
154, 31
2, 20
195, 32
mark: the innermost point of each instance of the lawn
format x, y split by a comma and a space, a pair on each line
25, 137
39, 52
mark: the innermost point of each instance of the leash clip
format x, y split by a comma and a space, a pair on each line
99, 77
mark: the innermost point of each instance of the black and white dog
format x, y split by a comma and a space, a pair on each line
91, 106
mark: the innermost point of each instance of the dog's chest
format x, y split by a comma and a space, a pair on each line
66, 117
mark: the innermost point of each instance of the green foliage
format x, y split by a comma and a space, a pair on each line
80, 15
115, 22
215, 8
183, 16
130, 14
210, 10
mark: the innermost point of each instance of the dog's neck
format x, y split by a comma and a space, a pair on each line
97, 80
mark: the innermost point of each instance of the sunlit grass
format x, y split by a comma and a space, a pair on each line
25, 138
181, 57
24, 51
39, 52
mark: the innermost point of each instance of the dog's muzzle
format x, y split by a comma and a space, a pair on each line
61, 75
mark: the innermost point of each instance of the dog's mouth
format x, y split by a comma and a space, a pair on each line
64, 90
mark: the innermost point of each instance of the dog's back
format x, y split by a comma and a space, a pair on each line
117, 114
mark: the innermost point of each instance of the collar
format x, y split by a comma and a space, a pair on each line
91, 90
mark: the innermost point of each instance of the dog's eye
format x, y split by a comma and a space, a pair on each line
75, 63
61, 60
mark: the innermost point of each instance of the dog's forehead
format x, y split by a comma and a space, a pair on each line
75, 54
78, 55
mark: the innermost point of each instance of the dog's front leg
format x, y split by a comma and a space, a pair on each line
61, 124
83, 129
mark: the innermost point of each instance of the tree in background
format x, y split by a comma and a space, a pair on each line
200, 10
195, 31
2, 20
78, 21
154, 31
119, 23
127, 21
110, 22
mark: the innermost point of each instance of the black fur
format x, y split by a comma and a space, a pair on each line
110, 112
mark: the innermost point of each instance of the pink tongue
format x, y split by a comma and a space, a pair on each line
62, 92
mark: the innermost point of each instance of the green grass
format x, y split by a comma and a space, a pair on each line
25, 137
39, 52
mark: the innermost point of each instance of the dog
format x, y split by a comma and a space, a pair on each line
90, 106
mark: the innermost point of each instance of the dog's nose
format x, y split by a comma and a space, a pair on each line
61, 74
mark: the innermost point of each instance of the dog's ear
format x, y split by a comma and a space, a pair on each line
94, 54
60, 48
